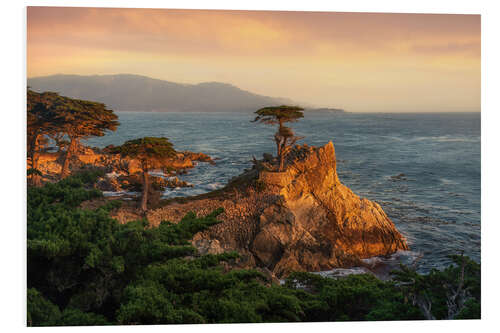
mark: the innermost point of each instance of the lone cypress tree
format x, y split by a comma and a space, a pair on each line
284, 137
152, 153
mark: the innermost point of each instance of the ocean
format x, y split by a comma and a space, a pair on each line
424, 169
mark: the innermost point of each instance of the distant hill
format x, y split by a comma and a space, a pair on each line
125, 92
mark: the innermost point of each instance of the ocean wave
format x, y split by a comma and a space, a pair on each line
447, 138
380, 266
442, 138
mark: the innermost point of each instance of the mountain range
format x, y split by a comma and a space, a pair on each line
127, 92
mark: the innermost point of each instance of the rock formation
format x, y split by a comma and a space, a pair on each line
301, 219
122, 173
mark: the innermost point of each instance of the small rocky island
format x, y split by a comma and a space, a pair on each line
300, 219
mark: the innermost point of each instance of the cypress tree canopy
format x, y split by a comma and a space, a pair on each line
279, 114
40, 119
74, 117
148, 149
285, 137
82, 118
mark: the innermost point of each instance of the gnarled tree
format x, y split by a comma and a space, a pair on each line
80, 119
40, 125
284, 137
152, 153
58, 117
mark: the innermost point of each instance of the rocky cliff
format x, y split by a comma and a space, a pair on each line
301, 219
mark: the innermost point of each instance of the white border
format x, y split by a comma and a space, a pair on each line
13, 213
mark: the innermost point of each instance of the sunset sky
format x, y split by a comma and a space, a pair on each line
356, 61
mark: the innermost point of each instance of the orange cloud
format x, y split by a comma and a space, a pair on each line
291, 54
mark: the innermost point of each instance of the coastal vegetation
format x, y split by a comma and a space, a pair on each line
284, 137
152, 153
84, 268
51, 116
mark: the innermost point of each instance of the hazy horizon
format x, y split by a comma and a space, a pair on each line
360, 62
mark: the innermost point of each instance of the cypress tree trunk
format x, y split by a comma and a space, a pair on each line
280, 148
278, 144
67, 158
145, 190
281, 163
35, 178
282, 154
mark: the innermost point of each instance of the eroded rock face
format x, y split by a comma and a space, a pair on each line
322, 223
301, 219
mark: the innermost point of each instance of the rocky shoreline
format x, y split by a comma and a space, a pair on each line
301, 219
121, 174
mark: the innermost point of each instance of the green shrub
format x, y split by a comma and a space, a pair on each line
84, 268
40, 311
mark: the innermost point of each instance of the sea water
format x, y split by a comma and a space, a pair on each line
424, 169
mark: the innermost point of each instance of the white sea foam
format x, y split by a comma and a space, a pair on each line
442, 138
118, 193
446, 138
380, 266
343, 272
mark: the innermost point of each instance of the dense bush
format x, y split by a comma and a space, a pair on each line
84, 268
454, 293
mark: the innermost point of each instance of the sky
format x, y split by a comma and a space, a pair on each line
361, 62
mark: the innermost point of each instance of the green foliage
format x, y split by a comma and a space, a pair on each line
454, 292
74, 117
84, 268
152, 153
279, 114
200, 288
189, 225
76, 317
40, 311
39, 118
356, 297
57, 117
284, 137
147, 149
471, 310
